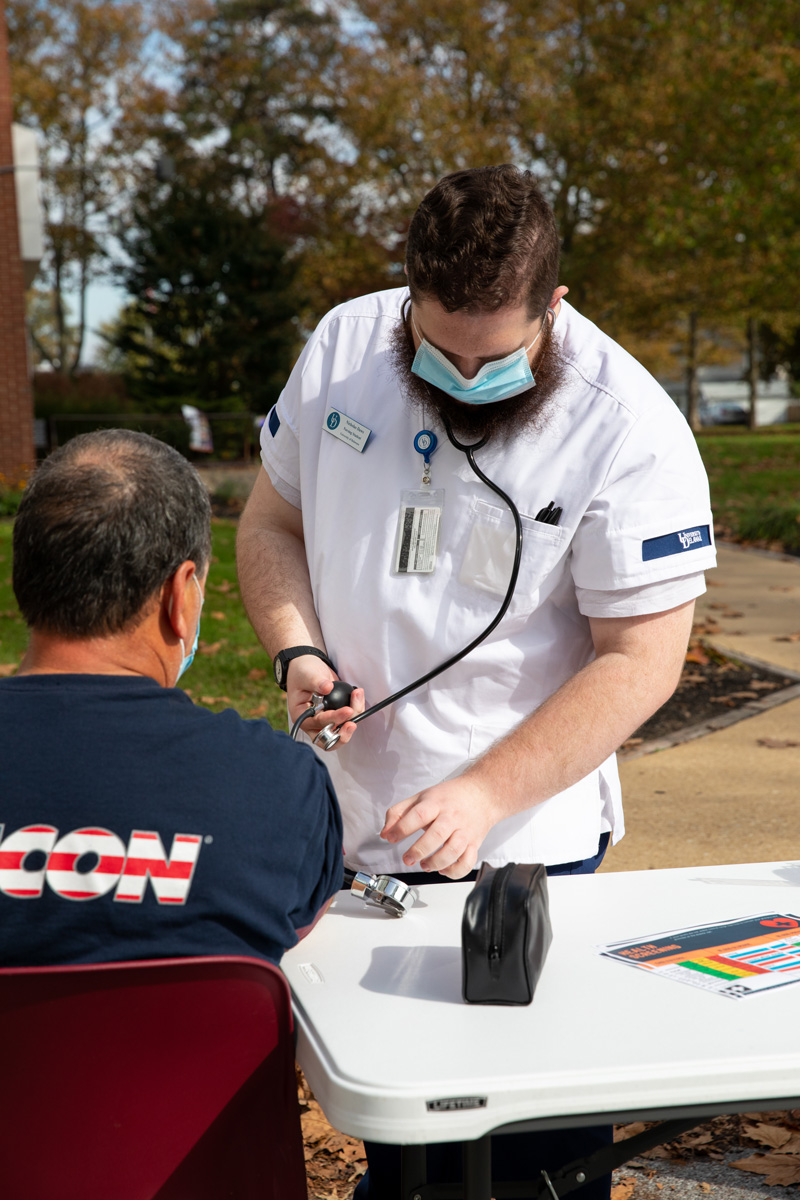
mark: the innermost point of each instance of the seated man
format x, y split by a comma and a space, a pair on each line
134, 824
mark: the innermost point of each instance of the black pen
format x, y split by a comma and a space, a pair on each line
549, 515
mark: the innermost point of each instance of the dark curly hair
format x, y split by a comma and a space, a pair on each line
482, 239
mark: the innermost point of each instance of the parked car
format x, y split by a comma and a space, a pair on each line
723, 413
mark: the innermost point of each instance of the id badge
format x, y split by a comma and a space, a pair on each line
418, 532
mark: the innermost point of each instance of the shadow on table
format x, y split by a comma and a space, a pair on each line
421, 972
354, 908
787, 875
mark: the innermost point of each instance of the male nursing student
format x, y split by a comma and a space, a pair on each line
508, 755
134, 824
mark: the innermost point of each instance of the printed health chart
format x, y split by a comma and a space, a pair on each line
733, 958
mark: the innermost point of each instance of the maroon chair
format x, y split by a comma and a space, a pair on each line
160, 1080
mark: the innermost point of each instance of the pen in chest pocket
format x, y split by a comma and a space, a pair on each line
549, 515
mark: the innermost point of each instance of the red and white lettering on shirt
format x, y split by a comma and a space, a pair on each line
62, 874
14, 879
129, 870
171, 878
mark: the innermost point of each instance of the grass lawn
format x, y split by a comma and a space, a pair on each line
230, 669
755, 494
755, 483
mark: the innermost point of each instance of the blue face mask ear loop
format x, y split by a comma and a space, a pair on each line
188, 659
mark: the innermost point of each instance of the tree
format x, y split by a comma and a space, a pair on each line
77, 65
53, 340
704, 204
213, 299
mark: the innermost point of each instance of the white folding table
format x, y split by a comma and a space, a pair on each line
394, 1055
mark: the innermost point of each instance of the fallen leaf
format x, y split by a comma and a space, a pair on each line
629, 743
218, 616
742, 696
257, 673
692, 678
780, 1170
210, 648
7, 669
624, 1189
625, 1131
769, 1135
776, 587
787, 637
730, 615
776, 743
702, 1139
315, 1125
351, 1152
705, 1187
762, 685
225, 586
215, 700
717, 604
261, 711
245, 653
698, 655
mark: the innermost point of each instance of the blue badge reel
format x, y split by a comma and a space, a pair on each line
419, 519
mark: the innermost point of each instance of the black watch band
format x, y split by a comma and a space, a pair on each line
280, 663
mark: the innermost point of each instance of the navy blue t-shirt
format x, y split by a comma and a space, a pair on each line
134, 824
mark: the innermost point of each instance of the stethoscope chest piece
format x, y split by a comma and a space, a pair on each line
327, 738
383, 891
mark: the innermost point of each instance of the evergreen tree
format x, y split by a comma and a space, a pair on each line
211, 318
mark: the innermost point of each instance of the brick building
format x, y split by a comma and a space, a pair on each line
16, 399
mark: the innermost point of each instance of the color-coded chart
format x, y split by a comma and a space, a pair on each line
735, 958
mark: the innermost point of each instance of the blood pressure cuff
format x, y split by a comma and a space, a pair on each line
505, 934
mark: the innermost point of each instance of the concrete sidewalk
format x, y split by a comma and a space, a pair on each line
726, 797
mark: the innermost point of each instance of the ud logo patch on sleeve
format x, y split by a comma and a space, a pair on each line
676, 543
273, 421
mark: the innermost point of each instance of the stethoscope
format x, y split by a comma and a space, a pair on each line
384, 891
395, 897
341, 692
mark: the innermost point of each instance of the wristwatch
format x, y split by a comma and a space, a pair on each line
280, 663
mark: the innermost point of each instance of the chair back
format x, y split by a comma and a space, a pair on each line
161, 1080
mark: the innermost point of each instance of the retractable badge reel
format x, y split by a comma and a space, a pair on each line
420, 516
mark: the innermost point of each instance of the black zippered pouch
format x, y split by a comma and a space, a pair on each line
505, 934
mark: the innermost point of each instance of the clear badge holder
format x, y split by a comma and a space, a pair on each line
418, 525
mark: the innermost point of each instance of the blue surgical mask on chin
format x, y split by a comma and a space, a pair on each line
188, 659
500, 380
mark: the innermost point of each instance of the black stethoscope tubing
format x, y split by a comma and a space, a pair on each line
512, 583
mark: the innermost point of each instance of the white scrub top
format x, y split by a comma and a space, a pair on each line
634, 537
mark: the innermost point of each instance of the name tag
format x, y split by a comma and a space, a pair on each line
346, 429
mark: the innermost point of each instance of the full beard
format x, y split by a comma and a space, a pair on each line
522, 413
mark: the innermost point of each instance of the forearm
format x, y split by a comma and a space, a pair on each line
276, 590
273, 572
637, 667
572, 733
